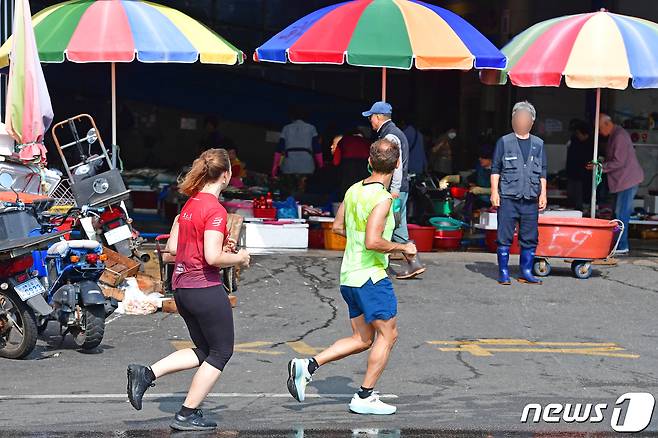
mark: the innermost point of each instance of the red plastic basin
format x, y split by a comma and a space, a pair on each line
422, 236
448, 239
577, 238
490, 237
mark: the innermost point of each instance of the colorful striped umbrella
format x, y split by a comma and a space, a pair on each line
383, 33
593, 50
29, 112
122, 31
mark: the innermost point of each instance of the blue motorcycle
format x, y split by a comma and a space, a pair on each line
70, 271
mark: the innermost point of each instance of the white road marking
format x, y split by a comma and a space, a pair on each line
117, 316
172, 395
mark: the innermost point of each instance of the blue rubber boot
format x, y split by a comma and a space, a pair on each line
503, 262
526, 260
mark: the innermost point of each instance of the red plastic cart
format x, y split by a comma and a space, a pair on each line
579, 240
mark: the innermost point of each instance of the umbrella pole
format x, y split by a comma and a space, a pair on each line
596, 152
384, 84
114, 116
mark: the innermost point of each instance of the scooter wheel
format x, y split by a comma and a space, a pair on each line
581, 269
94, 323
17, 342
541, 268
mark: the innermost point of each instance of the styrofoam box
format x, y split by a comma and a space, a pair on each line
651, 204
293, 235
563, 213
6, 142
489, 220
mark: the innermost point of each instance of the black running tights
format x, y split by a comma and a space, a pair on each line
209, 318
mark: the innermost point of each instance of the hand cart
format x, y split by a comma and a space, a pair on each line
578, 240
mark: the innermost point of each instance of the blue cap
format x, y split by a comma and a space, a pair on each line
379, 108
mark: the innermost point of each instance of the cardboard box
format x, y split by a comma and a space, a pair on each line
113, 292
169, 306
148, 284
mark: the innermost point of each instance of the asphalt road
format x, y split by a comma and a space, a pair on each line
471, 355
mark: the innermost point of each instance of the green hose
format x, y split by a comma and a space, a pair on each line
598, 172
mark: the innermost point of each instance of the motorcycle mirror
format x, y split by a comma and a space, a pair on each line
92, 137
6, 180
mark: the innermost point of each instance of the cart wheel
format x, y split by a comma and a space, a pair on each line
581, 269
541, 268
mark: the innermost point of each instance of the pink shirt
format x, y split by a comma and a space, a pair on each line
201, 212
621, 163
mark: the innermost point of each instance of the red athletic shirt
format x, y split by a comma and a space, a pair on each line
201, 212
352, 147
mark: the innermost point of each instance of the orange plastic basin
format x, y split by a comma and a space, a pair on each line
576, 238
27, 198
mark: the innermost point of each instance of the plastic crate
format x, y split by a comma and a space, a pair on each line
265, 213
333, 241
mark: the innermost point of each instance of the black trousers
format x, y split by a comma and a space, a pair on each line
525, 213
209, 318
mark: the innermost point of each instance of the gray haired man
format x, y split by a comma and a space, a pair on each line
518, 189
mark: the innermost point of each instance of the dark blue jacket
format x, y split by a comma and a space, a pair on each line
519, 179
391, 132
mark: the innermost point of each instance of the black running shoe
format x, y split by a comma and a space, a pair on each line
138, 383
193, 422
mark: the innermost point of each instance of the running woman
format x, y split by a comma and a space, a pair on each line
366, 219
197, 240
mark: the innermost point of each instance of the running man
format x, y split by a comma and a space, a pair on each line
366, 219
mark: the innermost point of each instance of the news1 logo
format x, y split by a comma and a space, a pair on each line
636, 407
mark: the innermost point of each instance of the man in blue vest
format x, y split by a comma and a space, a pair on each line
518, 190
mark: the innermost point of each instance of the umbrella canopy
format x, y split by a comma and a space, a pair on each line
29, 112
121, 31
593, 50
383, 33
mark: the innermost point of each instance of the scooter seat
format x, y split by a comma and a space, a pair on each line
62, 248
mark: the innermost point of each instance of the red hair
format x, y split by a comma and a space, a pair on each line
210, 165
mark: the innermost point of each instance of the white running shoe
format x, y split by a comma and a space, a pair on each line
298, 378
371, 405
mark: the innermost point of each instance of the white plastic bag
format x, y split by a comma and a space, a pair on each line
137, 302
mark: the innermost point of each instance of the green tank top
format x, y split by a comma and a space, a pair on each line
361, 264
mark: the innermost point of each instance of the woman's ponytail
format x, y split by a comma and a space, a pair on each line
210, 165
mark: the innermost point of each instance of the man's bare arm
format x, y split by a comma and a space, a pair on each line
339, 221
375, 230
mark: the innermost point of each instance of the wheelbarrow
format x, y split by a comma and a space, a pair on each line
577, 240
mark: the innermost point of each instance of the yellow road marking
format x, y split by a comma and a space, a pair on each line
302, 347
523, 342
181, 345
245, 347
486, 347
